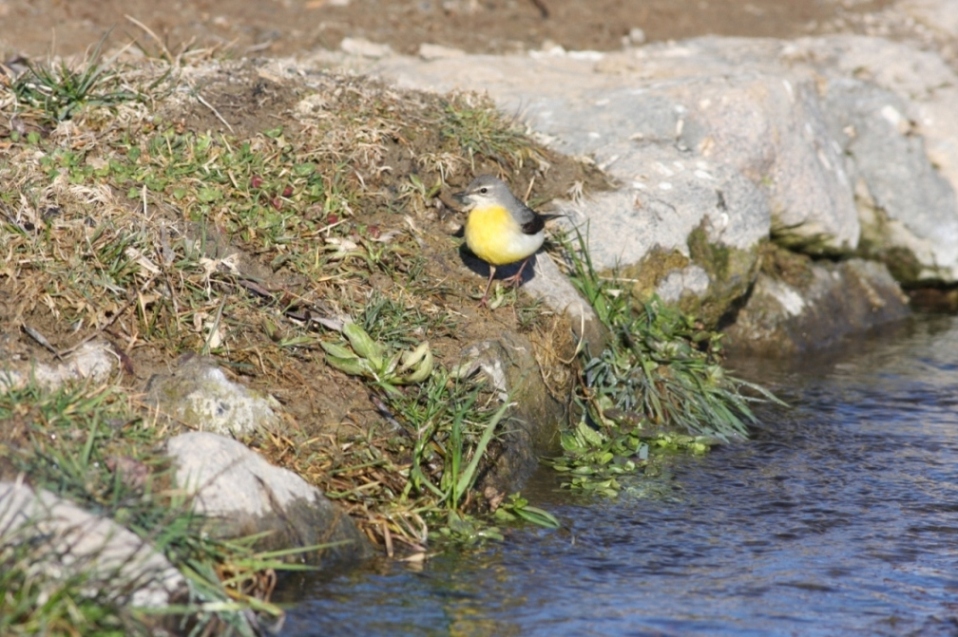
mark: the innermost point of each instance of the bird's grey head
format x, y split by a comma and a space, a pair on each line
486, 190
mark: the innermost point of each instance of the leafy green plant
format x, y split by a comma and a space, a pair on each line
516, 508
369, 359
658, 384
448, 437
60, 90
452, 432
664, 367
451, 451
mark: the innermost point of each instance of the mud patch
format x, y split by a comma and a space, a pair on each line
289, 27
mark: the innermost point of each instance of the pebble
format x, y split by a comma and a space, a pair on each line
364, 48
431, 52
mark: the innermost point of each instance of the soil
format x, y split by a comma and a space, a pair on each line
289, 27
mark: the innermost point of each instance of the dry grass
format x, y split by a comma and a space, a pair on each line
206, 207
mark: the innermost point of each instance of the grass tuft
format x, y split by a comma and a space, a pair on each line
60, 90
91, 446
658, 385
33, 603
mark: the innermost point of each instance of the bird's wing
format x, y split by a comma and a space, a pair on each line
537, 222
531, 221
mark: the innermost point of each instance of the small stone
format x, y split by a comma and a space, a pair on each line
431, 52
200, 395
242, 494
636, 36
365, 48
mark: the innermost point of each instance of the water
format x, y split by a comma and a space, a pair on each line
840, 518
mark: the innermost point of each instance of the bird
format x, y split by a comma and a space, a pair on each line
500, 229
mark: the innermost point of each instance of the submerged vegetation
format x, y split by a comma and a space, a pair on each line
309, 253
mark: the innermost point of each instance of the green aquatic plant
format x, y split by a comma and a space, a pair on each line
452, 422
658, 384
516, 508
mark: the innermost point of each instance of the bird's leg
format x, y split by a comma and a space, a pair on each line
516, 278
485, 295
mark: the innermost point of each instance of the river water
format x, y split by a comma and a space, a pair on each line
840, 517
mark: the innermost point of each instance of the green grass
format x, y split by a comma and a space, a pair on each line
32, 603
59, 90
90, 445
659, 385
480, 131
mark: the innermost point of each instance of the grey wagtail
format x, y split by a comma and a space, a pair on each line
500, 229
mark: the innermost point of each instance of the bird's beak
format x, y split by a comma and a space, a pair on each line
460, 196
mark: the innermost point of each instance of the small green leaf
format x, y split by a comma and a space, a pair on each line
537, 516
364, 345
352, 365
209, 195
338, 350
590, 435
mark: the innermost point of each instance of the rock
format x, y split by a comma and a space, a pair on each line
680, 282
636, 36
667, 233
909, 212
438, 52
68, 542
243, 495
365, 48
199, 395
558, 293
921, 79
820, 303
771, 128
938, 15
93, 361
895, 109
733, 134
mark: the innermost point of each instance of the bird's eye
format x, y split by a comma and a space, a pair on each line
483, 190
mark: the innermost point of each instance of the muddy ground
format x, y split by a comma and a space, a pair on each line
288, 27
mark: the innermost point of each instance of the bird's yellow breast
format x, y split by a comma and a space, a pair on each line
494, 236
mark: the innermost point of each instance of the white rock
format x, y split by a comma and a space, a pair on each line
892, 108
93, 361
636, 36
199, 394
242, 494
689, 280
68, 541
226, 477
365, 48
438, 52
